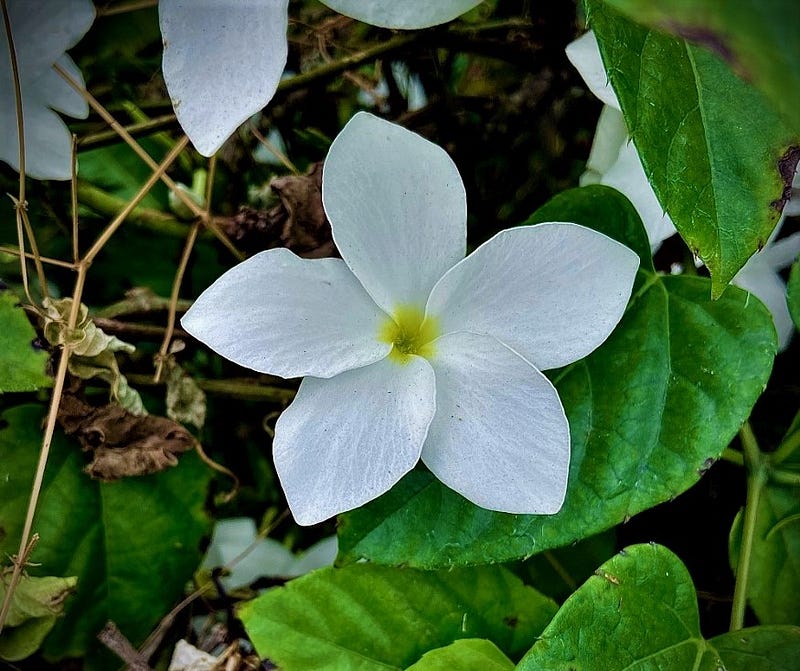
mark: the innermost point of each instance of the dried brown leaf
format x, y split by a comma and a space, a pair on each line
122, 444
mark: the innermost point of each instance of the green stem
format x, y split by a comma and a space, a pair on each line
733, 456
242, 389
108, 204
756, 479
783, 477
786, 448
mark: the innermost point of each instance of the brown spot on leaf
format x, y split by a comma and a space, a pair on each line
298, 222
122, 444
787, 165
511, 621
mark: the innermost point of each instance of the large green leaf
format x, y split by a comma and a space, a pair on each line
374, 617
719, 158
132, 544
21, 364
466, 654
642, 610
759, 40
649, 411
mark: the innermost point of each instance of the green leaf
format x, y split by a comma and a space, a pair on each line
466, 654
719, 158
793, 294
642, 607
774, 648
35, 605
22, 364
649, 411
759, 40
132, 544
375, 617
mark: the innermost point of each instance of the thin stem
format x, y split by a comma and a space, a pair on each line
194, 208
733, 456
37, 259
283, 158
246, 390
102, 138
782, 477
786, 449
55, 401
73, 188
756, 479
43, 259
173, 300
143, 191
12, 52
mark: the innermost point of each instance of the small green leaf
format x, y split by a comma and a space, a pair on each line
793, 294
642, 607
649, 411
759, 40
772, 648
35, 605
719, 158
375, 617
22, 364
131, 543
466, 654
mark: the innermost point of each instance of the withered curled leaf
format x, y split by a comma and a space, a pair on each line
122, 444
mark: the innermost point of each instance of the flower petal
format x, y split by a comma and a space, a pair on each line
406, 14
584, 54
347, 440
552, 292
499, 437
222, 62
611, 134
627, 176
279, 314
760, 277
397, 209
41, 35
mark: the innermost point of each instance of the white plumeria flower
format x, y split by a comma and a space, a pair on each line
613, 159
410, 350
403, 14
264, 558
42, 32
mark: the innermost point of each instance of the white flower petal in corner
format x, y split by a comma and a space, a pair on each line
552, 292
609, 136
397, 209
584, 54
42, 32
288, 316
500, 437
345, 441
402, 13
223, 60
760, 277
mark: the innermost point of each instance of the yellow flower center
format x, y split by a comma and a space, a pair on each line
410, 333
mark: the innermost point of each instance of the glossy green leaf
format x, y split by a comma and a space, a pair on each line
374, 617
719, 158
771, 648
642, 607
466, 654
760, 41
22, 364
793, 294
649, 411
132, 544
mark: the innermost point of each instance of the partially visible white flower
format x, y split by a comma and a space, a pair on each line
402, 13
222, 63
42, 32
760, 275
613, 160
266, 558
408, 83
